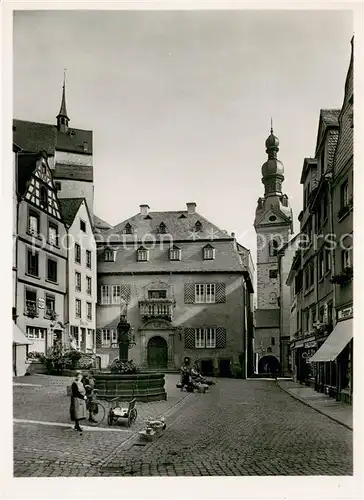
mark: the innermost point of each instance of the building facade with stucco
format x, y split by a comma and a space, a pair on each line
187, 285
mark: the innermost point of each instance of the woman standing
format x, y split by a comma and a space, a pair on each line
78, 405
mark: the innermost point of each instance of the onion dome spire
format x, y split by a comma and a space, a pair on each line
272, 169
62, 117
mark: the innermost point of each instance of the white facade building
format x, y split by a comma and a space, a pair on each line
80, 307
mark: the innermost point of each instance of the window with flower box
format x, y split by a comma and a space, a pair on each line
31, 308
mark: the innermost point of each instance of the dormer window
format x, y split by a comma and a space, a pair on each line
128, 229
175, 253
162, 228
142, 254
109, 255
208, 252
182, 216
198, 226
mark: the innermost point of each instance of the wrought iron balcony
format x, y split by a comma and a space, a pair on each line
156, 308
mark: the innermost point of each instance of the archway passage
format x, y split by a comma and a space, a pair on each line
157, 353
269, 364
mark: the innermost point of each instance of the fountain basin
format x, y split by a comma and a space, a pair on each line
145, 386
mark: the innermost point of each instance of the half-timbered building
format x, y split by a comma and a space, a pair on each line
41, 254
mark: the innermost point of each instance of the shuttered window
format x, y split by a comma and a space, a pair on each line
205, 293
205, 338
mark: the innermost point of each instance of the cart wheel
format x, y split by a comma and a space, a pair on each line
109, 419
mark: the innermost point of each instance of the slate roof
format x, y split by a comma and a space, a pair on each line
34, 136
69, 209
179, 228
332, 143
26, 165
330, 117
78, 172
267, 318
100, 223
226, 258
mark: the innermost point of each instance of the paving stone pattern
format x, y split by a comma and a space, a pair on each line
238, 428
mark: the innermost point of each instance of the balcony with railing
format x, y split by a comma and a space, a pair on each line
157, 308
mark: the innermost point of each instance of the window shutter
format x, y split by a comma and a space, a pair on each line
125, 293
98, 338
189, 338
189, 293
99, 294
220, 293
220, 338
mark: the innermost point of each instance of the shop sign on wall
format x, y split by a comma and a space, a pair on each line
347, 312
310, 344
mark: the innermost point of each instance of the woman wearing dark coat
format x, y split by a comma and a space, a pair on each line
78, 402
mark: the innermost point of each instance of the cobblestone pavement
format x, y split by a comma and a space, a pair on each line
239, 427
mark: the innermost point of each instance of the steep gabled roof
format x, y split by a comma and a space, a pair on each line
328, 118
26, 166
69, 209
34, 136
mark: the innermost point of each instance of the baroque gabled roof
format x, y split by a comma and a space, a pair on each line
34, 136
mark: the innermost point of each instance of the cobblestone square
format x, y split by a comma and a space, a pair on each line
238, 428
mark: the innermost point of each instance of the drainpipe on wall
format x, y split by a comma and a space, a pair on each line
329, 179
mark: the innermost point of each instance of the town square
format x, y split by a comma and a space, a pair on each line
182, 266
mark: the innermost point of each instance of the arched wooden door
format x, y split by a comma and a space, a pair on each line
157, 353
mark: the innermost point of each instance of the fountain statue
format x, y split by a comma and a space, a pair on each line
124, 379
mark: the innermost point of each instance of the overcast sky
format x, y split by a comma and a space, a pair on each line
180, 102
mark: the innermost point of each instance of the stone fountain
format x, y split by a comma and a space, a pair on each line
144, 386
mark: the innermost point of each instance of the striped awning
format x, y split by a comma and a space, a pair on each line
335, 342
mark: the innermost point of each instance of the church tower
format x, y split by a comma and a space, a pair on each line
62, 118
274, 226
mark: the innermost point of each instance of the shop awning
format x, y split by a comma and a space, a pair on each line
18, 336
335, 343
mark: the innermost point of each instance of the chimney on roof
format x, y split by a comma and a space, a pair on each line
191, 207
144, 209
